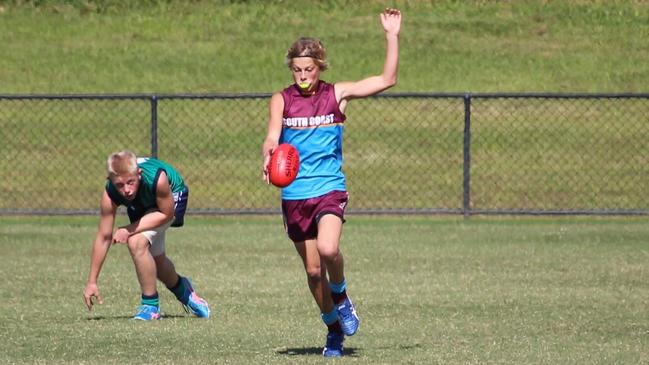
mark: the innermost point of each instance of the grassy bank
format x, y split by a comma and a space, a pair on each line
238, 46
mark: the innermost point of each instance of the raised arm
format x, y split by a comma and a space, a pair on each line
391, 22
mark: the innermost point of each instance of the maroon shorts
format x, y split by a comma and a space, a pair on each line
301, 217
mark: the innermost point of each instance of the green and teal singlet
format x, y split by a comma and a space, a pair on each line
145, 199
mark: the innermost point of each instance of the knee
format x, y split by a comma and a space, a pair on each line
138, 245
329, 252
314, 274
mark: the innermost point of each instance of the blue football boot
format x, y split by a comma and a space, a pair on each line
334, 346
193, 303
347, 317
147, 313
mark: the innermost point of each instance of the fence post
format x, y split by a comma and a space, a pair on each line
154, 126
466, 184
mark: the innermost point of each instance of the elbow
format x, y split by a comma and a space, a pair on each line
168, 218
390, 81
164, 216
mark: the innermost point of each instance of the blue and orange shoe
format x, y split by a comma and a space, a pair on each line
195, 304
347, 317
147, 313
334, 346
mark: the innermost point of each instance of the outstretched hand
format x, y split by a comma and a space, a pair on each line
391, 20
92, 292
268, 150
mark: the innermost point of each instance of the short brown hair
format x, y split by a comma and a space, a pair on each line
308, 47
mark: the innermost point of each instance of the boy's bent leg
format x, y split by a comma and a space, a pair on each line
329, 231
181, 287
145, 267
328, 245
166, 271
143, 248
316, 272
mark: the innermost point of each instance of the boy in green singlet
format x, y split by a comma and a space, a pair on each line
155, 195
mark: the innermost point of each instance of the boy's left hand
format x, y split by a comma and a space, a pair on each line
121, 235
391, 20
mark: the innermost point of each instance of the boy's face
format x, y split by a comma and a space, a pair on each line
306, 73
127, 185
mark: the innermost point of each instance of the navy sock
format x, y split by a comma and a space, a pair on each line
180, 290
338, 291
152, 300
334, 327
339, 297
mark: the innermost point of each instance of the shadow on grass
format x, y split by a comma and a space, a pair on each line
348, 351
114, 318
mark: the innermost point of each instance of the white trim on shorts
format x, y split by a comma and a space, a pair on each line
156, 238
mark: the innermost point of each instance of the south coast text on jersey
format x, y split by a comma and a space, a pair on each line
308, 122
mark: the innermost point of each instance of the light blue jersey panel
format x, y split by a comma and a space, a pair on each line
321, 161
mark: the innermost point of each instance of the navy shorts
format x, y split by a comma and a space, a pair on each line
301, 217
180, 207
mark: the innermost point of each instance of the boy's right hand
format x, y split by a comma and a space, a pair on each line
267, 151
92, 291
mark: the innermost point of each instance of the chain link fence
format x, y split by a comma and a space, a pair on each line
404, 153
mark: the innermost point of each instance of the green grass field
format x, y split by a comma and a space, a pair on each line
428, 290
117, 46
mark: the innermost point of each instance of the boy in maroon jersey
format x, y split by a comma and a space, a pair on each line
309, 114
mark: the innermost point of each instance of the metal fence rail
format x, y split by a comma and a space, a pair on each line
409, 153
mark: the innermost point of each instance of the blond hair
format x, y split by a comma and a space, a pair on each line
121, 163
308, 47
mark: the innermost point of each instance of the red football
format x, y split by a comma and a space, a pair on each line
284, 165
